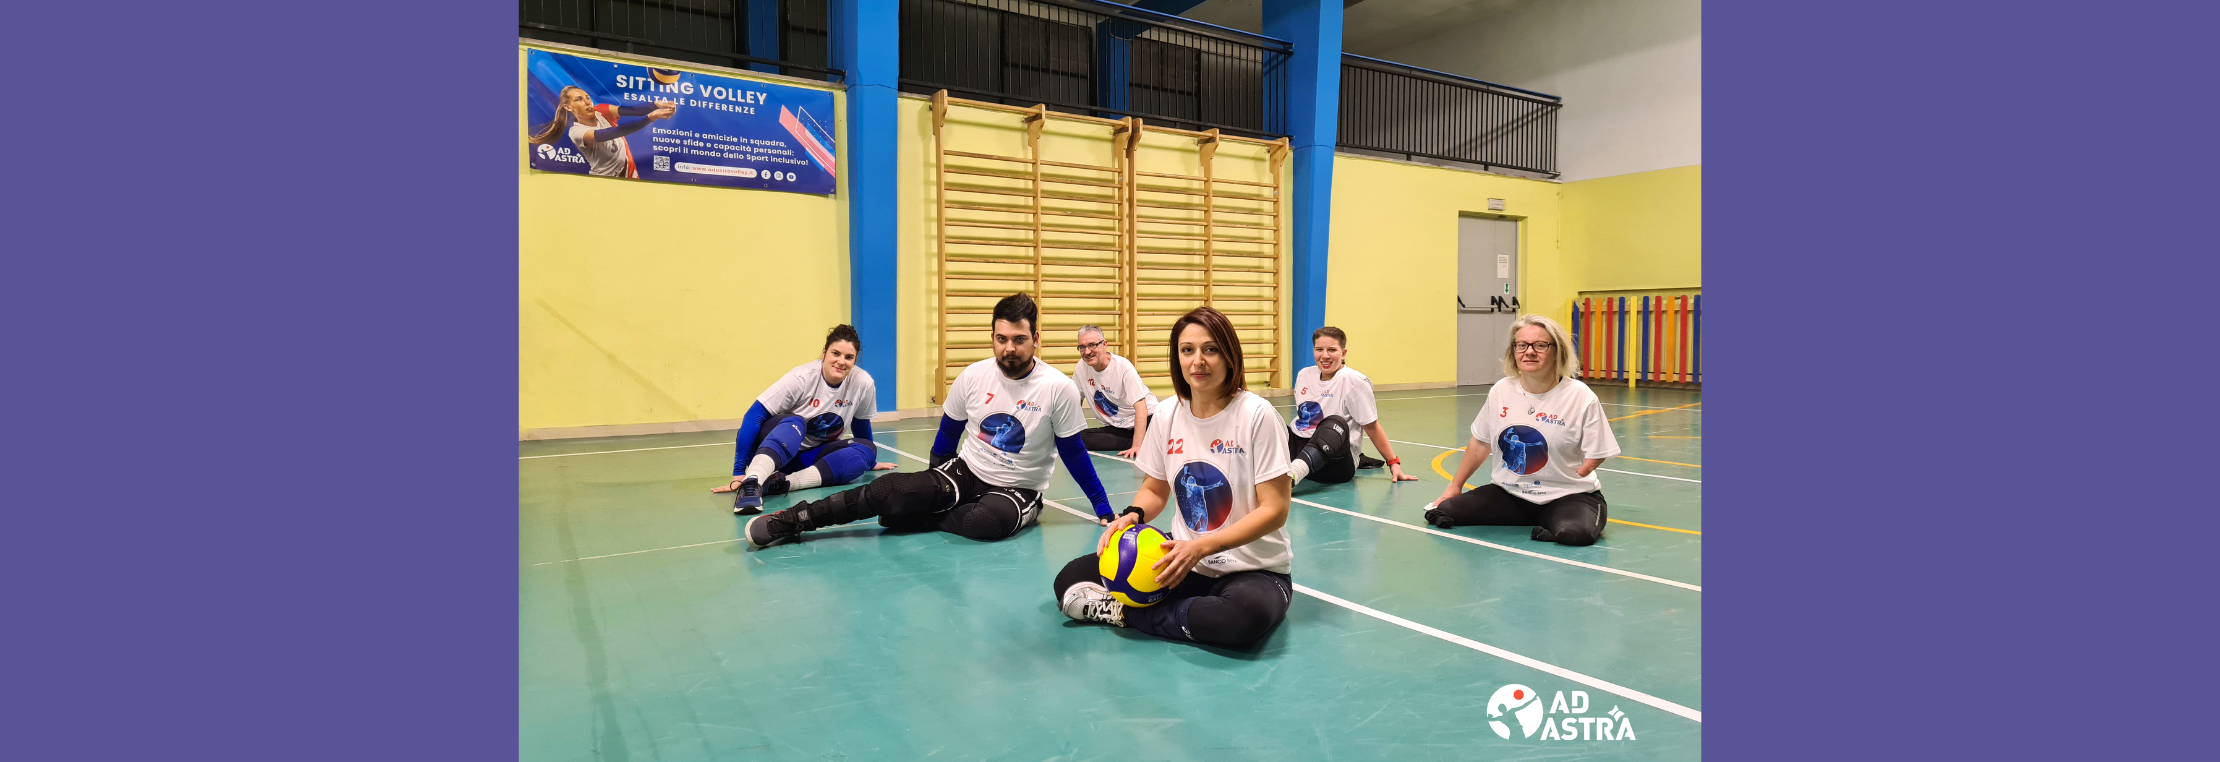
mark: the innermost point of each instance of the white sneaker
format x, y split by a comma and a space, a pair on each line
1090, 602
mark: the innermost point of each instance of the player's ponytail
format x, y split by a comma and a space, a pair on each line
555, 130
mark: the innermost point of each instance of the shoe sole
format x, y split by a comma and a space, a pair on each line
747, 534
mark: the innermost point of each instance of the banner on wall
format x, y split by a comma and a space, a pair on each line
592, 117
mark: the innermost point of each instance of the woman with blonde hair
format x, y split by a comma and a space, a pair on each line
1553, 435
1216, 458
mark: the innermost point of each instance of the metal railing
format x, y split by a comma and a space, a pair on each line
1099, 59
1398, 109
713, 32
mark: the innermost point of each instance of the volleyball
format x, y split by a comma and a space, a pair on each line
1125, 565
664, 76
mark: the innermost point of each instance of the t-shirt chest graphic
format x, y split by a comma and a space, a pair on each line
1008, 414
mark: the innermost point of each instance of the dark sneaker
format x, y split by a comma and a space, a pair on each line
771, 529
749, 498
1436, 517
776, 485
1367, 461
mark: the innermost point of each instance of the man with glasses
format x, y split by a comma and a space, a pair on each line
1110, 385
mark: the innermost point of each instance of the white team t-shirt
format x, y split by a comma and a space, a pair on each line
1005, 443
1213, 465
1349, 394
1540, 439
1112, 391
605, 158
826, 410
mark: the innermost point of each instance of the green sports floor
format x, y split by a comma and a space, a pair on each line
648, 631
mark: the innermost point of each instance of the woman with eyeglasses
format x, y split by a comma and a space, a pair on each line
1553, 435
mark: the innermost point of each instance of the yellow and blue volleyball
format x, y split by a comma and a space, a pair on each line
1125, 565
664, 76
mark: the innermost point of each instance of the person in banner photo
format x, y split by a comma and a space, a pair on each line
597, 131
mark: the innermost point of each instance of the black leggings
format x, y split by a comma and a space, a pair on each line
1233, 611
1107, 438
1328, 464
949, 498
1575, 519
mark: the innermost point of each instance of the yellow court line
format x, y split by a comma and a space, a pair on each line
1446, 475
1655, 412
1666, 462
1654, 526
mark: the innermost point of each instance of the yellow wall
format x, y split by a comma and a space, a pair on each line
642, 302
1637, 232
1392, 282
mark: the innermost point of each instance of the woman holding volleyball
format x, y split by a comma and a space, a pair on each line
1218, 454
1553, 435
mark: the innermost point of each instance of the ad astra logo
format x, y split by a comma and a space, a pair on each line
1549, 418
1222, 446
1028, 406
551, 153
841, 403
1552, 719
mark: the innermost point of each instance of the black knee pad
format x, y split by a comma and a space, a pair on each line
1332, 436
998, 514
909, 494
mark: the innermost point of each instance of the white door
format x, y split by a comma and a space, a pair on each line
1487, 287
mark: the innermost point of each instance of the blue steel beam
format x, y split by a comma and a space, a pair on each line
867, 44
1313, 100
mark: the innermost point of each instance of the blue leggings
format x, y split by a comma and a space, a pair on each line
839, 461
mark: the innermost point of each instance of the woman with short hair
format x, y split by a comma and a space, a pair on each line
1553, 434
1332, 401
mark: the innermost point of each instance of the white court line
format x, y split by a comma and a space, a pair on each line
1484, 394
1598, 468
1505, 548
1653, 476
682, 447
1603, 685
1089, 516
636, 449
1525, 661
1484, 543
636, 552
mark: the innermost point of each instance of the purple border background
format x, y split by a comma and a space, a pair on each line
1936, 231
261, 485
262, 370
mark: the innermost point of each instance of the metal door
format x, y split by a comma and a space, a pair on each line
1487, 293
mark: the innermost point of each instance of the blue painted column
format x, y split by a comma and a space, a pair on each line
763, 32
1313, 114
866, 43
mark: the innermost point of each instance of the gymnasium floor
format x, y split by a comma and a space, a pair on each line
647, 630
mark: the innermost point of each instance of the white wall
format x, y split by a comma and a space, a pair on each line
1631, 73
